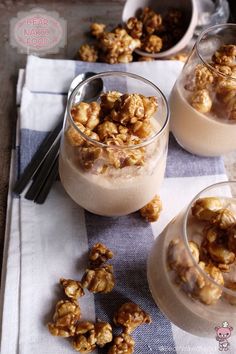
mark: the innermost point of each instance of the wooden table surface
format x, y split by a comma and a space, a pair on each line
78, 14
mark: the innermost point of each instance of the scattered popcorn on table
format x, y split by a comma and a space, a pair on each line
150, 31
130, 316
151, 211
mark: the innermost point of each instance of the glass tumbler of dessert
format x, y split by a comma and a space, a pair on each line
203, 100
191, 268
113, 150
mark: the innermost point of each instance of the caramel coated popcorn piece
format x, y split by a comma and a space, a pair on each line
86, 114
99, 280
107, 129
152, 44
219, 253
206, 208
65, 319
99, 254
73, 289
103, 333
128, 109
177, 256
85, 339
152, 21
199, 287
203, 77
201, 101
97, 29
123, 344
88, 52
89, 335
76, 139
225, 55
210, 293
108, 100
130, 316
151, 211
134, 27
224, 218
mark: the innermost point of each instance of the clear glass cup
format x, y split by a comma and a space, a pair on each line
196, 297
109, 179
203, 99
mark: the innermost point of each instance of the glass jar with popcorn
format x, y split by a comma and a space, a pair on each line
203, 100
191, 268
114, 147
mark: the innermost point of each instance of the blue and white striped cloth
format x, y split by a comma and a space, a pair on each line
49, 241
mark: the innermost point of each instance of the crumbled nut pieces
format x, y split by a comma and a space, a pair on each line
150, 31
211, 92
119, 119
73, 289
99, 280
65, 319
99, 254
122, 344
130, 316
151, 211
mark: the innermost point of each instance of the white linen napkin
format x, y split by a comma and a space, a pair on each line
44, 243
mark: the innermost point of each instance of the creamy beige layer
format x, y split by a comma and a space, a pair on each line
111, 196
198, 133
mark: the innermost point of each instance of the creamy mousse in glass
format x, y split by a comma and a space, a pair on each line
191, 267
203, 100
114, 147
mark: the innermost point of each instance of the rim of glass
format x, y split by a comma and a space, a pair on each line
200, 37
219, 184
118, 73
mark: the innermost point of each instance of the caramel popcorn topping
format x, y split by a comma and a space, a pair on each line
151, 211
89, 335
85, 335
73, 289
150, 31
130, 316
99, 280
99, 254
65, 319
117, 120
88, 52
215, 251
209, 92
122, 344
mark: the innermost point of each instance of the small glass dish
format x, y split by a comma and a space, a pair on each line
109, 179
189, 284
203, 99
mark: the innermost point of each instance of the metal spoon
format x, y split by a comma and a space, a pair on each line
46, 152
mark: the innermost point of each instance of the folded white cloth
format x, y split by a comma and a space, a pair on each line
49, 241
